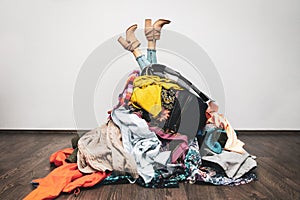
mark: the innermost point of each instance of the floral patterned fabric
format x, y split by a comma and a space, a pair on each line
194, 172
197, 172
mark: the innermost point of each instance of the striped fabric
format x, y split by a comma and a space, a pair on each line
125, 96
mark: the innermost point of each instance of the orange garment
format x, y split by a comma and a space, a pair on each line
59, 157
64, 178
88, 180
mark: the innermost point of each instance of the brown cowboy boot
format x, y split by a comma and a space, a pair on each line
131, 43
152, 32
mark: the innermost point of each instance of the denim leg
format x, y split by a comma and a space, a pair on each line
142, 61
151, 56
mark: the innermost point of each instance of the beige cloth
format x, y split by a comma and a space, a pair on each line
101, 149
232, 143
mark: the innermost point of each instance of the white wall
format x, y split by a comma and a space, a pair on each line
254, 44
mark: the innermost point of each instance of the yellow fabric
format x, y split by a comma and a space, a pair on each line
143, 81
148, 98
147, 92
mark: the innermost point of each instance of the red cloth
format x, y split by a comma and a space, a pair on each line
65, 178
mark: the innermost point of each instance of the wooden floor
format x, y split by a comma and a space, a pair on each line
25, 155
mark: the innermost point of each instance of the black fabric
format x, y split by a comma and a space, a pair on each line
192, 117
173, 122
222, 140
188, 114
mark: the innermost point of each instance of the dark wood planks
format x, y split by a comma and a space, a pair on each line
25, 156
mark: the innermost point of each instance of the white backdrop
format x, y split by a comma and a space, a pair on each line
254, 45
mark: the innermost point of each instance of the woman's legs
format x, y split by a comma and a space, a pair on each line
132, 44
152, 33
151, 56
140, 58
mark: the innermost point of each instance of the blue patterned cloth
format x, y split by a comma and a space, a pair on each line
193, 172
197, 173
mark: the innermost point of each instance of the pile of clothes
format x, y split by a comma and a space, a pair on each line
163, 131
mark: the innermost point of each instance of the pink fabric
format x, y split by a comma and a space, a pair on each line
180, 149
